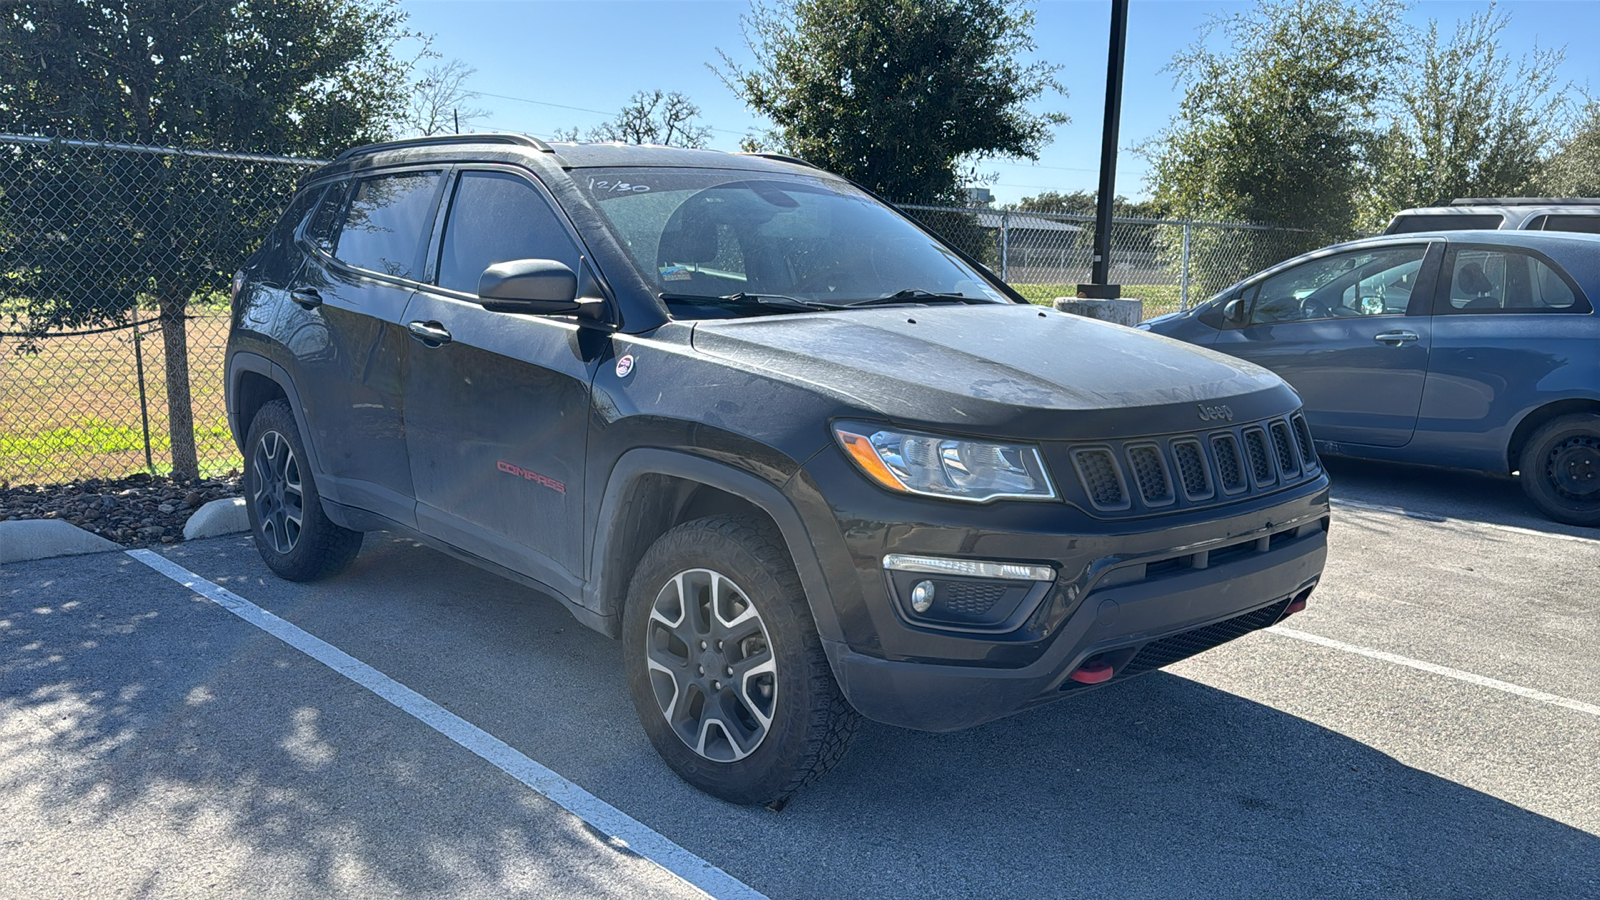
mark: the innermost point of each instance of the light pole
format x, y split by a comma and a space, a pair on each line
1098, 288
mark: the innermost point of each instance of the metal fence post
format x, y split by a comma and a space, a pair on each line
1183, 291
144, 403
1005, 246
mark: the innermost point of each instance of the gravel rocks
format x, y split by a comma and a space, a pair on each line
136, 511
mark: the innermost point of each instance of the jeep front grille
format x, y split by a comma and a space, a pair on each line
1188, 470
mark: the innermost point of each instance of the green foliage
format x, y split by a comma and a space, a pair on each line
1470, 122
303, 77
1272, 129
1574, 170
899, 95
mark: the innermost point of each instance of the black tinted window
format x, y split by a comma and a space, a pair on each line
1414, 224
386, 222
325, 221
497, 217
277, 261
1580, 224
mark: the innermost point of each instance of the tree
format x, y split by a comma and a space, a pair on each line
899, 95
1274, 127
1574, 170
440, 102
1272, 130
1469, 122
651, 117
307, 77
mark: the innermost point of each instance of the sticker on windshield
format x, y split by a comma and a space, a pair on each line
676, 273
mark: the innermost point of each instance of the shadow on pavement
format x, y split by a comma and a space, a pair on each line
150, 742
1472, 496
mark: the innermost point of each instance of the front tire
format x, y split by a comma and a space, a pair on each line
294, 536
1560, 469
725, 667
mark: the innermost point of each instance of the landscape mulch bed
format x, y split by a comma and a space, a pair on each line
137, 511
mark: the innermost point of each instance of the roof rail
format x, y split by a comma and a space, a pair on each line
1526, 201
440, 140
782, 158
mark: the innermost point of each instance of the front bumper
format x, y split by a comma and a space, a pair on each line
1133, 627
1129, 594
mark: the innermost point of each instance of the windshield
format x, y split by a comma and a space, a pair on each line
727, 242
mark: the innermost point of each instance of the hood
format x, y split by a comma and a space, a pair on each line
1012, 370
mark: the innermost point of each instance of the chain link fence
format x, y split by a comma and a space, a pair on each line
115, 263
1169, 264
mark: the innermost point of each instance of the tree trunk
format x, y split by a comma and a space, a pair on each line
180, 410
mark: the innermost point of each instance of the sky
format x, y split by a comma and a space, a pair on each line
544, 65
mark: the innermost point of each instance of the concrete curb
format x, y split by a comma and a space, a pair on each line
30, 539
219, 517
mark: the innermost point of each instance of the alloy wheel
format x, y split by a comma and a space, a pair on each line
711, 665
279, 496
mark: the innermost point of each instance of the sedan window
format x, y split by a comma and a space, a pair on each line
1372, 282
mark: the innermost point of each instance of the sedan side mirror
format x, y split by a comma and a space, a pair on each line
1233, 312
539, 287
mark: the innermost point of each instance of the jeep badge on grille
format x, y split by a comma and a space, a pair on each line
1213, 413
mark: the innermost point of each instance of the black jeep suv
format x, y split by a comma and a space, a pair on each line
806, 459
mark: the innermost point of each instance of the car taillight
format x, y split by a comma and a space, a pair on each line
238, 283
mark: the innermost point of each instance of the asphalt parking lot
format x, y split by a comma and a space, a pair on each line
1428, 728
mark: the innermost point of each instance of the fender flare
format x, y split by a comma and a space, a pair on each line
242, 362
603, 583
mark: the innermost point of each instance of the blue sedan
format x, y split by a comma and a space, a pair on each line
1467, 349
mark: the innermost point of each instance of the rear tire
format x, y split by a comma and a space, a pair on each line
1560, 468
725, 667
295, 537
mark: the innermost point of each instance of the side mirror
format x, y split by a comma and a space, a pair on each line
1233, 312
539, 287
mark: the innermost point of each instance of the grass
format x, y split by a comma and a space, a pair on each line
1159, 299
71, 410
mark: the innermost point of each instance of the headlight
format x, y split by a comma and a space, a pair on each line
935, 466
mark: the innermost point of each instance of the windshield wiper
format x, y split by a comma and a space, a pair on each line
917, 295
776, 301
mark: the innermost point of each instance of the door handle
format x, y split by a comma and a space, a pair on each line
430, 333
1395, 338
306, 297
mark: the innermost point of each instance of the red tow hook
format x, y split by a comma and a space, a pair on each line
1092, 673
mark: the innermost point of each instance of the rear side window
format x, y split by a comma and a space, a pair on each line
277, 261
497, 217
1414, 224
1503, 280
386, 223
1579, 224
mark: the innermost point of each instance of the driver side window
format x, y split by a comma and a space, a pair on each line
1372, 282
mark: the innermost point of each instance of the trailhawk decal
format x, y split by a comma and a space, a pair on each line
535, 477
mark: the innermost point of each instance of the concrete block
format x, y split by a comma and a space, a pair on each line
1123, 312
43, 538
225, 516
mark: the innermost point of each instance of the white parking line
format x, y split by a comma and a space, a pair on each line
1434, 517
1446, 671
609, 820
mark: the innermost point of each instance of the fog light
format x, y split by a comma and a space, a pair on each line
922, 596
